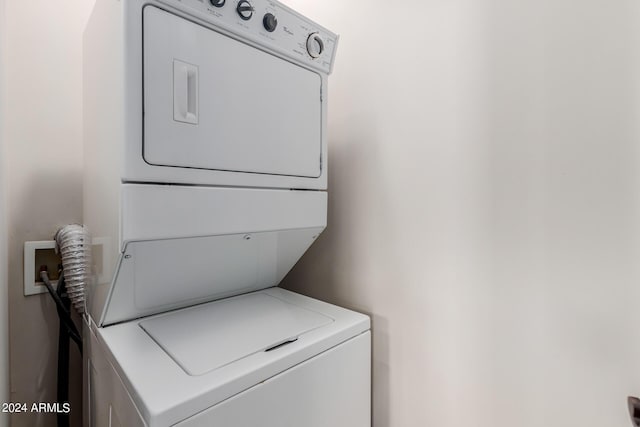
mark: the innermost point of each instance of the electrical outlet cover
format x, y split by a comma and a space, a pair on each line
33, 285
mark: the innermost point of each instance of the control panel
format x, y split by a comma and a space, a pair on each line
271, 24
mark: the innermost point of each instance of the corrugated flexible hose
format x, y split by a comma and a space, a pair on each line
72, 243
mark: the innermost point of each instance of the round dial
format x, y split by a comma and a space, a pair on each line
315, 45
270, 22
245, 10
217, 3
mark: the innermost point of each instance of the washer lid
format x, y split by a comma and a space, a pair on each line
207, 337
165, 394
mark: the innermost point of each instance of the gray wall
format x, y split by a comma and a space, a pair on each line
43, 168
485, 206
4, 306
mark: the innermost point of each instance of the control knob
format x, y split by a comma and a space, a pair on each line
245, 10
270, 22
315, 45
217, 3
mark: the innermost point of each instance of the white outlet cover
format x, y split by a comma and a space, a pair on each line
31, 285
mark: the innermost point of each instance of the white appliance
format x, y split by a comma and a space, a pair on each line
205, 182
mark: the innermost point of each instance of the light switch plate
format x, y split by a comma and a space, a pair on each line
33, 285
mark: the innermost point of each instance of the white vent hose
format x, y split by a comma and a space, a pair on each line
72, 243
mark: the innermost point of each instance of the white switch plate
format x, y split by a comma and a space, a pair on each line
31, 285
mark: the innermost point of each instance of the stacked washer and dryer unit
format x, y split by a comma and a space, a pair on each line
205, 182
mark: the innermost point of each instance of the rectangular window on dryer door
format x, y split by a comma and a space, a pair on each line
212, 102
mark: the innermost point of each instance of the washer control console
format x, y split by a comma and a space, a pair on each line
268, 23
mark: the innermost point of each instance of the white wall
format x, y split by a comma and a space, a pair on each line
43, 130
484, 201
4, 314
485, 206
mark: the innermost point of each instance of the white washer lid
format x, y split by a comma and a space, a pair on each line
165, 394
207, 337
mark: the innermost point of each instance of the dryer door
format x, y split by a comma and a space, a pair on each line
212, 102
